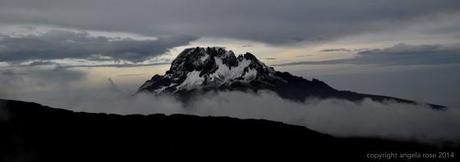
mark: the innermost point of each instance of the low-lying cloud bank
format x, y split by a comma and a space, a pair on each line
59, 89
339, 117
331, 116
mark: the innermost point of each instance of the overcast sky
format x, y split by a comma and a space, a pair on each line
43, 42
92, 55
57, 29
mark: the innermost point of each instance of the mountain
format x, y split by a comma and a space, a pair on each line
32, 132
198, 70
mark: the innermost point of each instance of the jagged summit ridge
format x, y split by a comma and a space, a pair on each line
198, 70
209, 67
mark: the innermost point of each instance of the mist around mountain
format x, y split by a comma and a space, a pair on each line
32, 132
220, 105
200, 70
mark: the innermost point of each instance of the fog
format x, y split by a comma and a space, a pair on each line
338, 117
60, 54
331, 116
76, 90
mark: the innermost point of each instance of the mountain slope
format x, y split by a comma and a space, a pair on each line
32, 132
198, 70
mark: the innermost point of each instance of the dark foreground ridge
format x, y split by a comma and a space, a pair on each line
200, 70
32, 132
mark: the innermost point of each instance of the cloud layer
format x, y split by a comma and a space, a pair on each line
61, 44
338, 117
37, 81
399, 54
271, 21
332, 116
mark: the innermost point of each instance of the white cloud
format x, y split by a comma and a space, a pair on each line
70, 89
331, 116
338, 117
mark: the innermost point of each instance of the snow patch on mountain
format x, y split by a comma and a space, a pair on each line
225, 74
250, 75
197, 68
193, 80
204, 58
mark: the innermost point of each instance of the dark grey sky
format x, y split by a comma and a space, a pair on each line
90, 55
270, 21
177, 22
387, 32
56, 44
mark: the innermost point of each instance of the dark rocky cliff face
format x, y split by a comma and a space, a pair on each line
199, 70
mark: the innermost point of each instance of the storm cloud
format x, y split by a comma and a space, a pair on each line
270, 21
61, 44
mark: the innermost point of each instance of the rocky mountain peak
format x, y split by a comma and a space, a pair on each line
209, 67
197, 70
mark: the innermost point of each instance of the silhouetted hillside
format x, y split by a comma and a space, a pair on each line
31, 132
